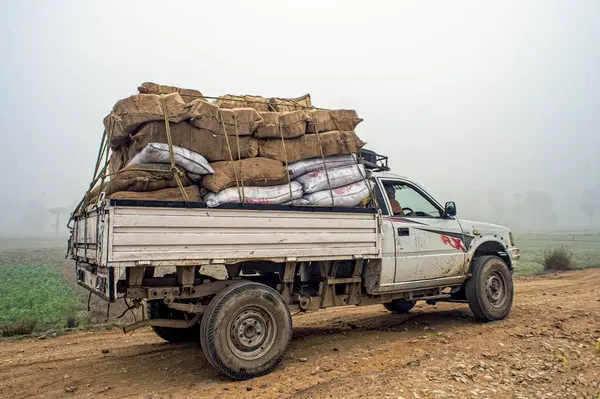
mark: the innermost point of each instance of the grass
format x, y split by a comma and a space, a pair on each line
35, 298
585, 250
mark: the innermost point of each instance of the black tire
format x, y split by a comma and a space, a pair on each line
490, 288
237, 316
158, 310
399, 306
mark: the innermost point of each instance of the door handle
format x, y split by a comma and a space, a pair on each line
403, 231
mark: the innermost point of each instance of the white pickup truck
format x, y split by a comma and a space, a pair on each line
164, 256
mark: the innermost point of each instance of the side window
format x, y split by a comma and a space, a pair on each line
406, 201
380, 199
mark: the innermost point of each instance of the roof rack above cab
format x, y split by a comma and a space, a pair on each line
373, 161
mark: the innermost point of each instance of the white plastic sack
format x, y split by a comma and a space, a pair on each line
347, 196
308, 165
297, 202
255, 195
186, 159
338, 177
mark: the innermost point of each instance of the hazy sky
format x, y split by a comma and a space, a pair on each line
464, 96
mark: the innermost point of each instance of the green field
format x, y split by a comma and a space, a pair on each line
35, 298
585, 249
38, 290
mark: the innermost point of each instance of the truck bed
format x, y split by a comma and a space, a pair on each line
124, 233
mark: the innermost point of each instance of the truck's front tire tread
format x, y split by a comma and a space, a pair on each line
475, 287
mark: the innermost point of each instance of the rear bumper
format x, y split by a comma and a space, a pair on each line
98, 280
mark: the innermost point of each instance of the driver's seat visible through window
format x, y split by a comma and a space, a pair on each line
406, 201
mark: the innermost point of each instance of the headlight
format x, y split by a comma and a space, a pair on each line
511, 238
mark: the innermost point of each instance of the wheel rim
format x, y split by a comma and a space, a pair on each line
496, 289
251, 332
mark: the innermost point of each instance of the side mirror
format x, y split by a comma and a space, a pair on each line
450, 208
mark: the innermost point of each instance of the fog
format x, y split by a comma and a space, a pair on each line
490, 104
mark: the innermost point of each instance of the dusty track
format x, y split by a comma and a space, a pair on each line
544, 349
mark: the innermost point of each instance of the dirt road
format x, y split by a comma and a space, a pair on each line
545, 349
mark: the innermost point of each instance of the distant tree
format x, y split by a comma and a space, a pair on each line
57, 211
540, 204
590, 203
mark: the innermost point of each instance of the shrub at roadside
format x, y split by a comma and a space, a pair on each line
558, 259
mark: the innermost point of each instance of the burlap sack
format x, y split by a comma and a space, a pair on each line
293, 124
307, 146
194, 193
117, 160
212, 147
259, 103
128, 114
92, 196
326, 120
262, 104
269, 128
119, 157
146, 177
187, 95
205, 115
290, 104
253, 172
210, 117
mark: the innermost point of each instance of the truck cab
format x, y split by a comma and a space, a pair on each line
425, 243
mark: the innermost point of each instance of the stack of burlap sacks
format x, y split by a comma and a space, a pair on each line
259, 150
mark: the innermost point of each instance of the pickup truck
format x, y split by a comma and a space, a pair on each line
229, 276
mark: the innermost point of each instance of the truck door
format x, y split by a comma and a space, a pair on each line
428, 245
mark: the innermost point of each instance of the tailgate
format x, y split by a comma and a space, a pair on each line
89, 249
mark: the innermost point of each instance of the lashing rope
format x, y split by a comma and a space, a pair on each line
177, 174
324, 163
287, 169
237, 182
239, 161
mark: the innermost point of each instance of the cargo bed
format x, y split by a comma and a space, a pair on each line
125, 233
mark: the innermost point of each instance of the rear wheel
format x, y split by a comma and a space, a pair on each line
490, 289
158, 310
246, 330
399, 306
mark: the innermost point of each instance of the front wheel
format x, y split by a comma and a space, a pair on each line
490, 289
246, 330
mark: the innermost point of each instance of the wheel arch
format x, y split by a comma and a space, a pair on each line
490, 247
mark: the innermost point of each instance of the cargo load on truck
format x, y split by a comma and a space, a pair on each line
165, 140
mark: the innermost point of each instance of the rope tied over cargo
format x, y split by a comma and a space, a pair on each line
239, 156
177, 174
323, 159
235, 171
285, 157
